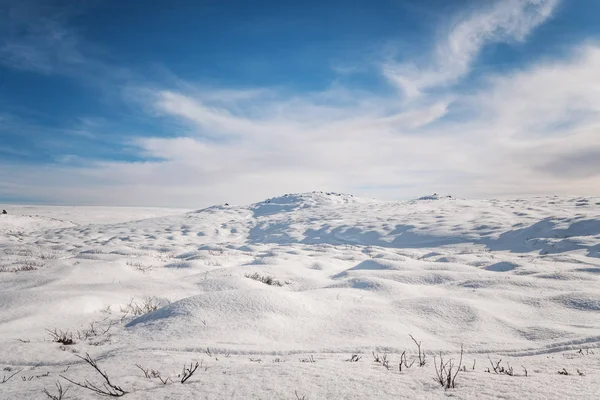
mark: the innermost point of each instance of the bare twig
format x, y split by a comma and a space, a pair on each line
60, 392
422, 360
298, 396
150, 373
446, 372
94, 331
509, 370
188, 372
381, 360
459, 364
403, 361
107, 389
496, 368
439, 371
145, 371
6, 379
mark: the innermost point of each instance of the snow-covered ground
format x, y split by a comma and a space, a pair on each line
516, 281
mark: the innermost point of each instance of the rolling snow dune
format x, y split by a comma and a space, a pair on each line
517, 279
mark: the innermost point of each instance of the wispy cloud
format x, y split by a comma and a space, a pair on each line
457, 49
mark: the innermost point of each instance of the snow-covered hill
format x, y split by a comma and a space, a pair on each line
517, 280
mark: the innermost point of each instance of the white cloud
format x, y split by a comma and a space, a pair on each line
553, 94
457, 49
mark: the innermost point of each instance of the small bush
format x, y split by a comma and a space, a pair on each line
63, 337
499, 369
146, 306
48, 255
266, 279
446, 372
96, 333
383, 360
140, 266
179, 264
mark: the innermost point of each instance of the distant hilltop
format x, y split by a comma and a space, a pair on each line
294, 201
434, 196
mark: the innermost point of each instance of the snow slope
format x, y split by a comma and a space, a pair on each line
517, 280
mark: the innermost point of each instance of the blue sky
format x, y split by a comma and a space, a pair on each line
190, 103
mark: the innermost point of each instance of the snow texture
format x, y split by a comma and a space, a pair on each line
512, 280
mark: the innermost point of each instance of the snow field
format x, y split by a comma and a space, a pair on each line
512, 280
